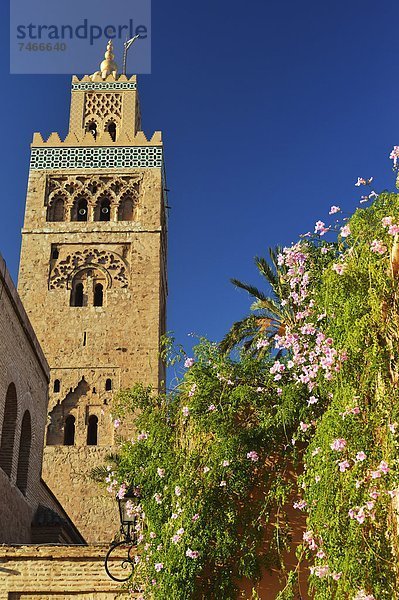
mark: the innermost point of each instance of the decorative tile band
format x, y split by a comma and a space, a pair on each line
101, 157
99, 85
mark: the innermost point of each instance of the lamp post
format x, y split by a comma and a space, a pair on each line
129, 518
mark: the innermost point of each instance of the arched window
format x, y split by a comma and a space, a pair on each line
92, 431
108, 385
69, 431
56, 210
77, 294
56, 386
98, 294
103, 210
111, 128
8, 430
24, 453
92, 128
79, 210
126, 209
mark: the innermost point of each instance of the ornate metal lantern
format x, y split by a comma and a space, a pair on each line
129, 517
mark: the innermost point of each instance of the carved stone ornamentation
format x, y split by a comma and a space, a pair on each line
112, 264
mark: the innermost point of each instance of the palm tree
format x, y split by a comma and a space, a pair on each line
270, 317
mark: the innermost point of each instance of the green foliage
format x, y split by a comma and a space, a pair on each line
191, 453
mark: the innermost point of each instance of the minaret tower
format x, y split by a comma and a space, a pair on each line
93, 279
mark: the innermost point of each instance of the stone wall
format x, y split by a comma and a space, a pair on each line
88, 346
22, 363
56, 573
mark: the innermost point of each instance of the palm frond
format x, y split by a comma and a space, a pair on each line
251, 289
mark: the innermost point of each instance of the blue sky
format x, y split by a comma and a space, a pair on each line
270, 111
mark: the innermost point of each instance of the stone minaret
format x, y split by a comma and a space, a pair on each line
93, 279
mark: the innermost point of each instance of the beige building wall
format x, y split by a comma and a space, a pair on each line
22, 364
108, 169
57, 573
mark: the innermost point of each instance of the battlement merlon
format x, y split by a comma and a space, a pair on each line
87, 138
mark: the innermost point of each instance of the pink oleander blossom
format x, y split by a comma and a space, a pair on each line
117, 422
334, 210
383, 467
393, 229
158, 567
252, 455
338, 444
161, 472
360, 456
189, 362
394, 155
343, 466
304, 426
378, 247
192, 553
185, 411
339, 268
345, 231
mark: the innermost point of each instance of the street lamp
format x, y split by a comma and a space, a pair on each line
129, 514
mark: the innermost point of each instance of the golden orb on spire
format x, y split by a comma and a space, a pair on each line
108, 65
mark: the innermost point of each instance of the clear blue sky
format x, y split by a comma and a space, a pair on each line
270, 111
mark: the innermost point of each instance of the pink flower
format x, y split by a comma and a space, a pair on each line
142, 436
225, 463
195, 517
192, 553
316, 451
176, 538
393, 229
378, 247
375, 474
300, 504
374, 494
122, 491
304, 426
211, 408
312, 400
394, 155
161, 472
345, 231
177, 491
339, 268
192, 390
338, 444
386, 221
383, 467
320, 571
343, 466
319, 226
392, 427
185, 411
362, 181
222, 483
117, 422
334, 209
336, 576
153, 535
189, 362
158, 567
158, 498
253, 456
361, 456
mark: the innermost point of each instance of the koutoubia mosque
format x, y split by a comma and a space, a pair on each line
86, 321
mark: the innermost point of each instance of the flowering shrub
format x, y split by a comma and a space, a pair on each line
210, 462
